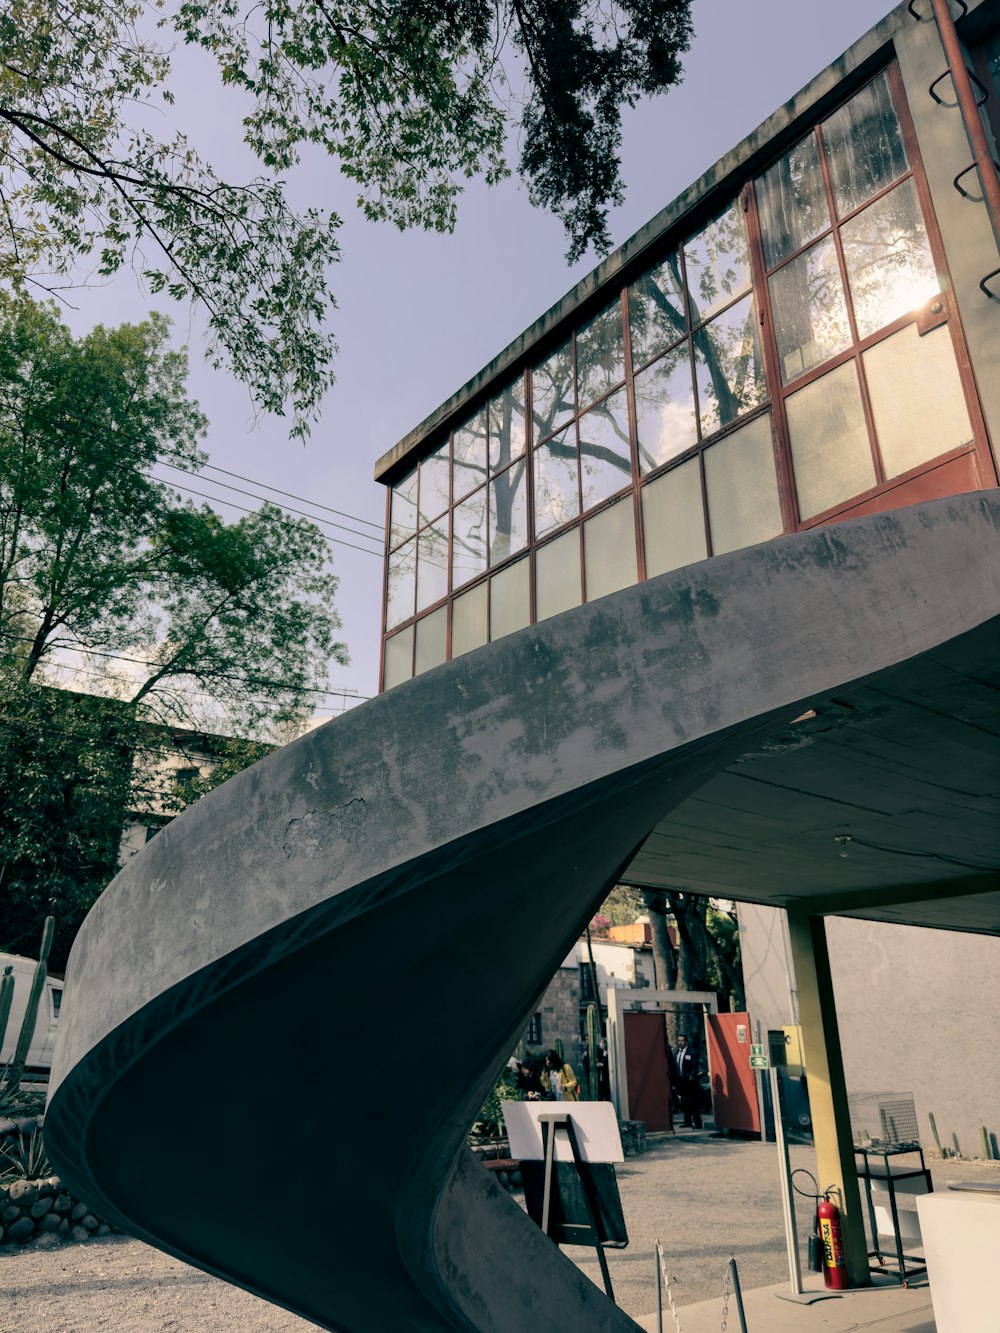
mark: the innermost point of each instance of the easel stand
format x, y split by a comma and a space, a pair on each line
550, 1122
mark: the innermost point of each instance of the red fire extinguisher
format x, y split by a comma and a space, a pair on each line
834, 1265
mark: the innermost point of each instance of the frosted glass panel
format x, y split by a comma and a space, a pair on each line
402, 583
831, 456
557, 575
889, 263
742, 488
468, 621
664, 410
673, 519
510, 605
432, 564
609, 550
398, 658
917, 398
432, 639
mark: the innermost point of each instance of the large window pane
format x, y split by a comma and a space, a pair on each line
506, 413
432, 640
605, 454
728, 366
609, 550
792, 202
557, 575
717, 263
432, 564
656, 310
434, 484
403, 509
557, 499
468, 539
469, 462
552, 391
510, 607
664, 409
468, 620
600, 355
810, 314
673, 519
508, 513
398, 658
889, 263
831, 455
402, 583
864, 146
917, 398
742, 487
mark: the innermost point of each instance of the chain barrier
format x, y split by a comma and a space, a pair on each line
665, 1285
725, 1299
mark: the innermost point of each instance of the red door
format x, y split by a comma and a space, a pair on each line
734, 1090
648, 1070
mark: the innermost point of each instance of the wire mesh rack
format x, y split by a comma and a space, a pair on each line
884, 1121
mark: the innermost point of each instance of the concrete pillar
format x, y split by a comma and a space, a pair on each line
827, 1093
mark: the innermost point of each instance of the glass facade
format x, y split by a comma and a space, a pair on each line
776, 367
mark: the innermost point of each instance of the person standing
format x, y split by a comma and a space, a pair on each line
559, 1083
686, 1070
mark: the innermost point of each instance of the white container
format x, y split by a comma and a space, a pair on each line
961, 1232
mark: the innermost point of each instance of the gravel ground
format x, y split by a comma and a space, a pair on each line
704, 1197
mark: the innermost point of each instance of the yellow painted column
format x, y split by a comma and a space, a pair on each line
824, 1065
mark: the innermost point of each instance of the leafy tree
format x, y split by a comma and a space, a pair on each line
410, 97
174, 615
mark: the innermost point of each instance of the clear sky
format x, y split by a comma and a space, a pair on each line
419, 314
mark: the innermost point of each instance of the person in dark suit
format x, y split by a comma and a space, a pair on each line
686, 1070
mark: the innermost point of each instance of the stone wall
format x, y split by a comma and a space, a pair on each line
41, 1212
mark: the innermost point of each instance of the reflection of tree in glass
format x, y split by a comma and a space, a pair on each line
864, 145
508, 502
791, 202
889, 263
552, 391
656, 310
469, 446
600, 354
556, 497
402, 584
717, 263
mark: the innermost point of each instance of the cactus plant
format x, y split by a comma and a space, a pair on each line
592, 1034
12, 1074
6, 997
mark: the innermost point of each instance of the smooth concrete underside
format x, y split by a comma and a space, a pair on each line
375, 908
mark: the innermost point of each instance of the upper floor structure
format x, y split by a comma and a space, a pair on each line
809, 333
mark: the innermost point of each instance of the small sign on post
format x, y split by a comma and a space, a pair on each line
758, 1060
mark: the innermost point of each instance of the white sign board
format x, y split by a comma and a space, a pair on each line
595, 1123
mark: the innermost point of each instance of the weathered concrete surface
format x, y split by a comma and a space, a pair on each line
491, 800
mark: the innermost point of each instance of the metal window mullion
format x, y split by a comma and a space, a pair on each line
633, 432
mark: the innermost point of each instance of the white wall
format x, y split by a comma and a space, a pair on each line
918, 1011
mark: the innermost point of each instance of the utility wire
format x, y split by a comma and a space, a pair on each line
93, 435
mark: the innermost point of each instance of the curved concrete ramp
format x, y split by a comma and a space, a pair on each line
333, 953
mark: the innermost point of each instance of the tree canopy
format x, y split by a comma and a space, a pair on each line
410, 98
156, 612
